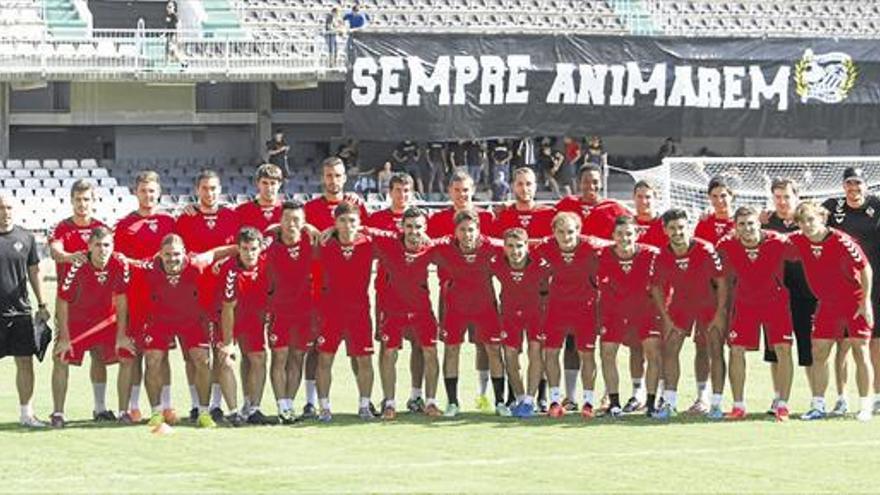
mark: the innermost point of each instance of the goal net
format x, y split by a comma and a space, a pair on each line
681, 182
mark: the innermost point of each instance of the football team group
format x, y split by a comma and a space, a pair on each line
272, 287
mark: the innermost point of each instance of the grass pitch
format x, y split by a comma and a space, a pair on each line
473, 453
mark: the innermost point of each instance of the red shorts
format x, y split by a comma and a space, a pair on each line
578, 319
689, 318
250, 333
514, 323
419, 327
487, 328
836, 320
100, 336
630, 329
746, 321
353, 326
296, 329
161, 337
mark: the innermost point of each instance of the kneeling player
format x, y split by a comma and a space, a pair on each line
571, 305
91, 306
754, 260
687, 273
174, 313
625, 275
840, 277
523, 278
245, 294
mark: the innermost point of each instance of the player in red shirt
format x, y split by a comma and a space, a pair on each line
754, 260
687, 271
524, 212
175, 314
90, 305
288, 264
470, 304
627, 316
840, 277
346, 263
523, 278
137, 237
442, 223
571, 305
69, 244
406, 311
243, 315
597, 219
264, 210
206, 226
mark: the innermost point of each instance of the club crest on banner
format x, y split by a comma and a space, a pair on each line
828, 77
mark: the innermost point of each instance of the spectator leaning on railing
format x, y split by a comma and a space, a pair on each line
333, 25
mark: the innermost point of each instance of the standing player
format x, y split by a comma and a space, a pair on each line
19, 260
523, 278
858, 214
840, 277
245, 294
597, 219
208, 226
469, 305
68, 245
406, 309
265, 209
442, 223
688, 271
571, 305
346, 267
625, 274
90, 306
802, 303
137, 237
711, 229
754, 260
289, 264
175, 313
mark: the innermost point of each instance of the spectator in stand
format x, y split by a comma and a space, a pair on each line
669, 148
596, 153
348, 153
500, 187
438, 165
573, 158
364, 179
475, 159
384, 178
406, 158
276, 150
171, 22
500, 155
333, 25
356, 18
524, 154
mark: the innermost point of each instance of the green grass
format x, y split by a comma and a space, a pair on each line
474, 453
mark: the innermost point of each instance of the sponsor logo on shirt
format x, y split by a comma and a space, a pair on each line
18, 246
817, 250
229, 291
517, 276
626, 265
347, 252
870, 211
293, 252
682, 263
568, 257
101, 277
752, 253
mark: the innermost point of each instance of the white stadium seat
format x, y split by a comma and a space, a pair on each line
80, 173
51, 164
51, 183
99, 173
31, 164
89, 163
41, 174
21, 173
12, 184
61, 173
69, 163
14, 164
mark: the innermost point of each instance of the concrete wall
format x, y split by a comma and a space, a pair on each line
170, 142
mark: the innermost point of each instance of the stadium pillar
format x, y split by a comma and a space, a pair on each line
4, 121
264, 118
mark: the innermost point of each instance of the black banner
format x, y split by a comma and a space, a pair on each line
441, 86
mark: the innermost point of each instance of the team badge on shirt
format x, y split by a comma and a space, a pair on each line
211, 221
720, 228
817, 250
682, 263
525, 220
173, 280
153, 225
409, 257
267, 213
18, 246
568, 257
101, 277
517, 276
85, 235
752, 254
870, 211
347, 252
470, 258
585, 209
293, 252
626, 265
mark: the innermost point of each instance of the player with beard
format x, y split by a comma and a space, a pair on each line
858, 214
68, 245
597, 219
840, 276
138, 237
264, 210
687, 271
802, 303
442, 223
91, 305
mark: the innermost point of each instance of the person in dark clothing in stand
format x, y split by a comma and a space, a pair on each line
277, 149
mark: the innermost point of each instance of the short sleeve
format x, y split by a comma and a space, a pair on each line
855, 253
230, 285
68, 287
122, 279
715, 264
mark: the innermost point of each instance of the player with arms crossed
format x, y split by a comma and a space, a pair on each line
840, 277
90, 308
688, 271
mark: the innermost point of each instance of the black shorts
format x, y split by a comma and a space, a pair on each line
17, 336
802, 311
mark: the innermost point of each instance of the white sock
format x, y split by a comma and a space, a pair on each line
703, 391
638, 388
282, 405
483, 381
819, 403
325, 404
528, 399
571, 382
520, 398
27, 411
166, 396
588, 397
555, 395
99, 390
776, 396
216, 396
194, 396
842, 398
780, 404
866, 403
365, 402
671, 398
311, 392
431, 401
717, 399
415, 393
661, 386
134, 401
388, 403
204, 409
739, 404
157, 409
